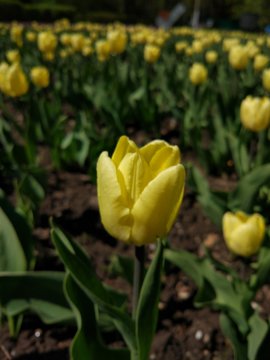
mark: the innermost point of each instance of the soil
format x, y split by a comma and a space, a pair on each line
183, 332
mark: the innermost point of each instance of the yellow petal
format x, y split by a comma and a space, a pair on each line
124, 146
136, 175
244, 241
230, 222
257, 221
115, 215
157, 207
164, 158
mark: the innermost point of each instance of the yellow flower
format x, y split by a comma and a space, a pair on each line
140, 190
117, 40
13, 56
47, 42
260, 61
103, 49
198, 73
13, 81
266, 79
31, 36
242, 233
151, 53
180, 46
77, 41
16, 33
238, 57
40, 76
211, 56
255, 113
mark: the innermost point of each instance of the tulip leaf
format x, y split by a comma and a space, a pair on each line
259, 329
12, 257
229, 329
87, 341
22, 229
122, 266
244, 196
147, 310
262, 274
214, 288
214, 204
81, 270
42, 294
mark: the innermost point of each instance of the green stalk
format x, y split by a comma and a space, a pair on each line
137, 277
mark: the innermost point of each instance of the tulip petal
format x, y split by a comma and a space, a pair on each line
164, 158
230, 222
115, 215
124, 146
244, 241
157, 207
257, 221
136, 175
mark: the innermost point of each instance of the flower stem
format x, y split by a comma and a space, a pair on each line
137, 277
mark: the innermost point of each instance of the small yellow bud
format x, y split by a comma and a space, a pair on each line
198, 73
255, 113
242, 233
40, 76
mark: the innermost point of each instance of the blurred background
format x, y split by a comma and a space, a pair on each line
228, 14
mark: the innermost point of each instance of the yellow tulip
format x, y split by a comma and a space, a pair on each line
47, 42
117, 40
103, 49
31, 36
211, 56
40, 76
238, 57
180, 46
151, 53
13, 56
255, 113
13, 80
242, 233
260, 62
266, 79
140, 190
198, 73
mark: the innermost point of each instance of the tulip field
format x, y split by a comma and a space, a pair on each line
134, 192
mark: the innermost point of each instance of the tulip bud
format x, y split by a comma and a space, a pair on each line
238, 57
47, 42
243, 234
255, 113
151, 53
13, 56
40, 76
211, 56
117, 40
266, 79
103, 49
140, 190
260, 62
198, 73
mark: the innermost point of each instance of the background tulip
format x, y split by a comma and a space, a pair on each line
243, 234
255, 113
140, 190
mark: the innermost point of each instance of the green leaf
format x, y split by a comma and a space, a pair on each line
213, 204
42, 293
220, 292
87, 341
258, 331
230, 331
79, 265
147, 310
22, 229
12, 256
244, 196
262, 274
122, 266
